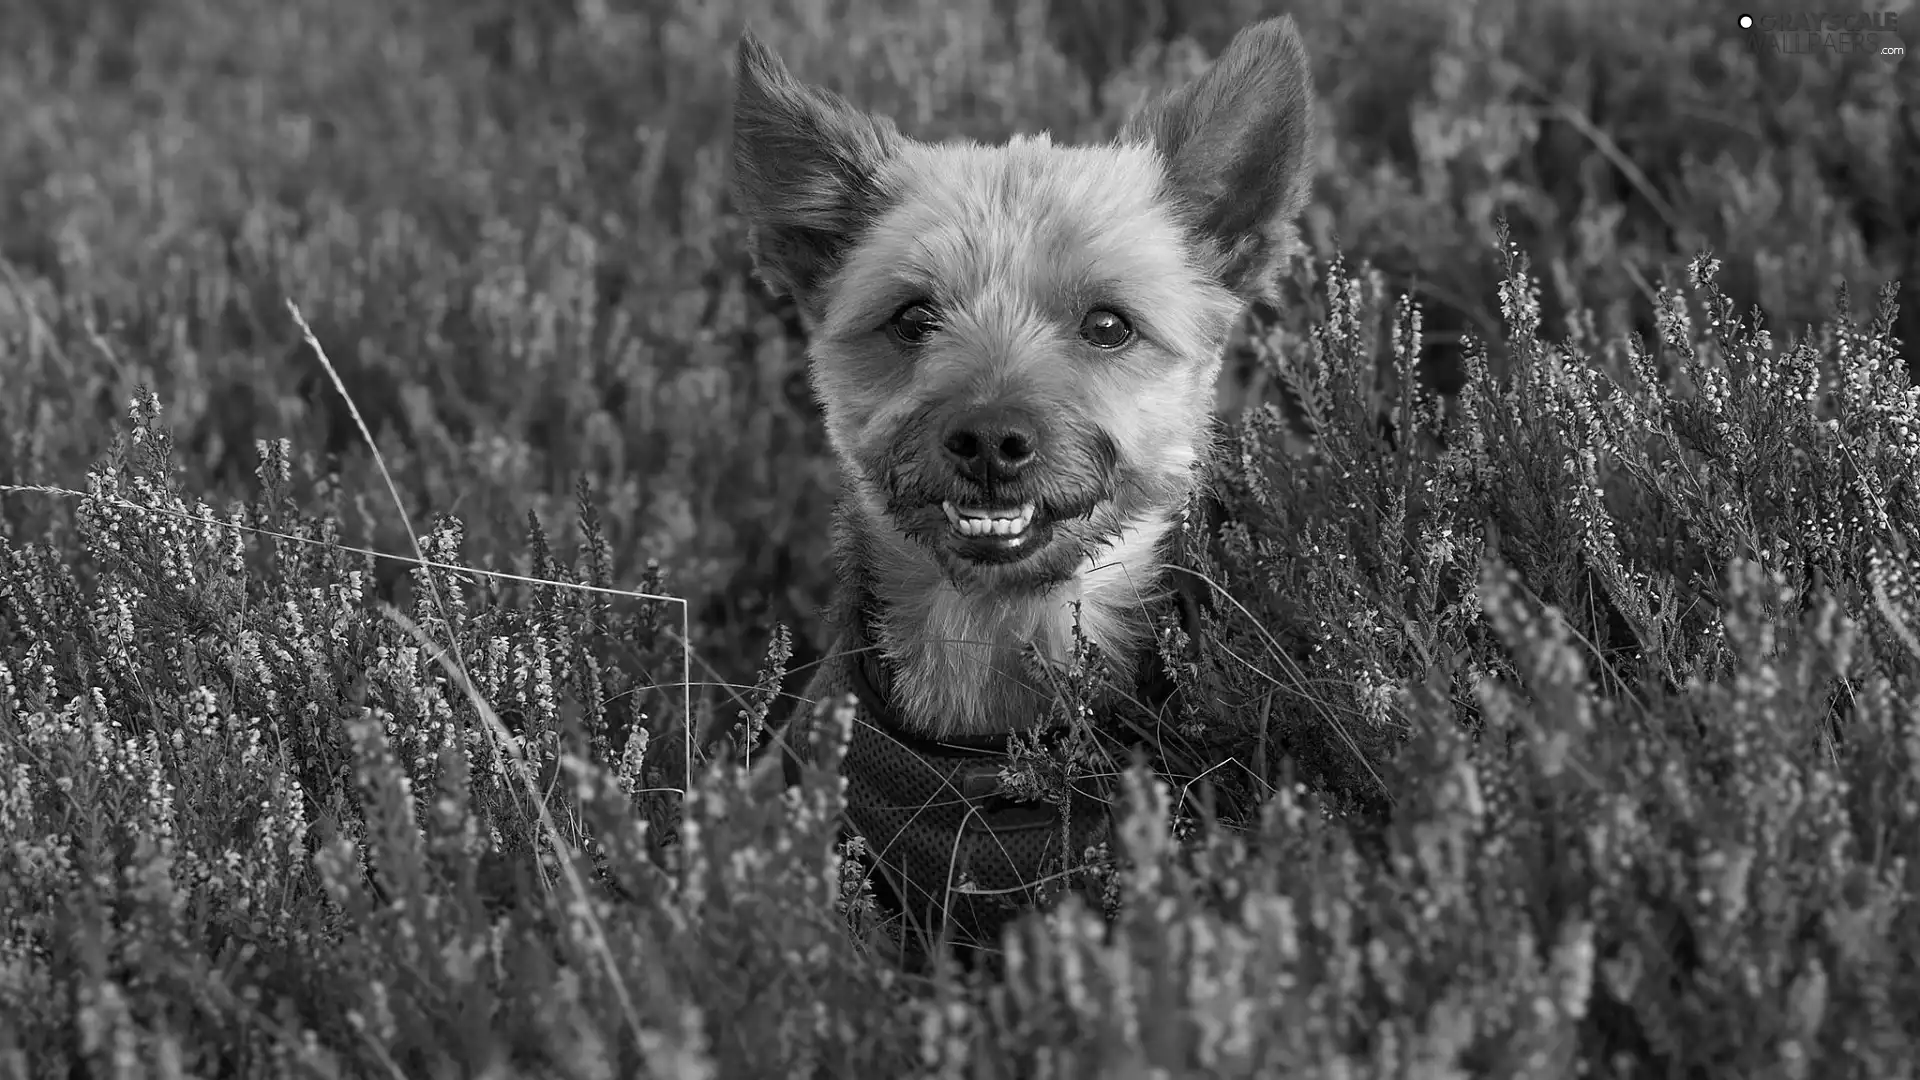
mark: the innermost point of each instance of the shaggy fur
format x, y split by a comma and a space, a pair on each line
1004, 251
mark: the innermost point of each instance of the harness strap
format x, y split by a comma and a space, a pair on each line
935, 811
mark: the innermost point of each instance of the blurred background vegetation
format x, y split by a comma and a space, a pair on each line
508, 223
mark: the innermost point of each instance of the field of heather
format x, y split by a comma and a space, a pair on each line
414, 526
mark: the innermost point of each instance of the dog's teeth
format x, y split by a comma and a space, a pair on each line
970, 522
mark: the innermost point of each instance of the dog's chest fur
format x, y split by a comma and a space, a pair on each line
959, 659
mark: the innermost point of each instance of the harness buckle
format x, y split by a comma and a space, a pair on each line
998, 811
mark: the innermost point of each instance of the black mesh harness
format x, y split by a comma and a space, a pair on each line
952, 850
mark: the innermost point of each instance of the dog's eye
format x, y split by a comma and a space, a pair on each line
1106, 330
914, 323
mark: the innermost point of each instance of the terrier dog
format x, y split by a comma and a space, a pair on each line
1015, 349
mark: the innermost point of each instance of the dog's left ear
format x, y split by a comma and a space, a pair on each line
1238, 142
806, 174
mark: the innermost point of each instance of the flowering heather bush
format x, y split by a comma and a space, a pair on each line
1565, 724
1654, 794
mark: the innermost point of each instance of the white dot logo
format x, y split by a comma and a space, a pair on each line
1746, 22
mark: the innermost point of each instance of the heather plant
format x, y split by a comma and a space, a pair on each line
1648, 663
222, 755
1559, 722
286, 832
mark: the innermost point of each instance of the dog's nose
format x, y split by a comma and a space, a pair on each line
992, 445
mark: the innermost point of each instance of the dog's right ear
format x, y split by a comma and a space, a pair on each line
806, 173
1238, 142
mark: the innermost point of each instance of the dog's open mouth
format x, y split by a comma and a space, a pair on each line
974, 522
995, 533
984, 529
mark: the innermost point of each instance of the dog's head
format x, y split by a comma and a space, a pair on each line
1015, 346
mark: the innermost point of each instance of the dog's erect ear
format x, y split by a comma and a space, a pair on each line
1239, 146
805, 173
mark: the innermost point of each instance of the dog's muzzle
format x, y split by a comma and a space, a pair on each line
995, 484
990, 449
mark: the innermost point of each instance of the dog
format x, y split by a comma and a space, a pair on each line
1015, 350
